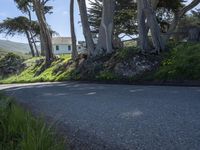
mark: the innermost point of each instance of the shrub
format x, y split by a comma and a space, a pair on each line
106, 75
183, 63
10, 64
127, 53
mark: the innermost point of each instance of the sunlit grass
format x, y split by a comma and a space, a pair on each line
181, 63
21, 131
30, 73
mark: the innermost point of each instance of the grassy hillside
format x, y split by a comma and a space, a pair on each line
14, 47
180, 64
35, 71
4, 52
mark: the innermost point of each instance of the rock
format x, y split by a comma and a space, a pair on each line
138, 65
127, 64
87, 69
133, 66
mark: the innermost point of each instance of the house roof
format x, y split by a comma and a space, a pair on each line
61, 40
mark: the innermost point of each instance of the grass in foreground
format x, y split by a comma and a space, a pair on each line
19, 130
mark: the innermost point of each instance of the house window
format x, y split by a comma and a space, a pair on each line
57, 47
69, 48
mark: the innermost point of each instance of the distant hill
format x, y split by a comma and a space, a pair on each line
9, 46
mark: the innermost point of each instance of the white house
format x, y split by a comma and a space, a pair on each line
63, 45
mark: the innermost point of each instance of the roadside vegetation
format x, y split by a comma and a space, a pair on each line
35, 71
105, 24
180, 63
10, 64
21, 131
107, 57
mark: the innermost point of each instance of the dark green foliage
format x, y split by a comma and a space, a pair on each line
10, 64
107, 76
165, 12
187, 22
21, 131
196, 14
127, 53
124, 19
95, 14
26, 6
18, 25
12, 57
183, 63
173, 5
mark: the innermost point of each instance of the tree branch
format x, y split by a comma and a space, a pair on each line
188, 7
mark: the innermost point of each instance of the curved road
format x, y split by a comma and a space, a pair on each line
117, 117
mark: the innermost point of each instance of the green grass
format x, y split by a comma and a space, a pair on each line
182, 63
58, 71
21, 131
5, 52
130, 43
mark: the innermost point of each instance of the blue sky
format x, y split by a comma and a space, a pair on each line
59, 20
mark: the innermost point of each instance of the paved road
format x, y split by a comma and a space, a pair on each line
124, 117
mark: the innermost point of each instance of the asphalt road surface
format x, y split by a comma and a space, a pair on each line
117, 117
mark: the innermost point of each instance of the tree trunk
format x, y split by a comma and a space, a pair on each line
106, 28
31, 34
42, 45
154, 27
45, 34
86, 27
142, 28
154, 4
147, 20
177, 16
73, 35
36, 48
30, 44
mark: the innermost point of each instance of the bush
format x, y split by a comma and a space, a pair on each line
10, 64
127, 53
106, 75
21, 131
183, 63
